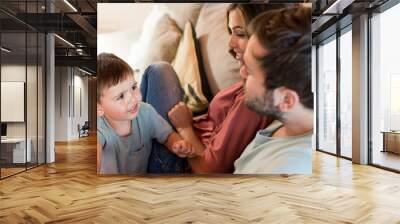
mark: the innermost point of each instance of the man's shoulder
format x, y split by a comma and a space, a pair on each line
278, 155
288, 145
264, 144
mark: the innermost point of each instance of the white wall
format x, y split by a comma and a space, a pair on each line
314, 90
80, 83
68, 80
129, 16
33, 127
14, 73
118, 34
127, 36
61, 103
17, 73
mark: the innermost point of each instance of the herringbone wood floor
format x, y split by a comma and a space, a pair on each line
69, 191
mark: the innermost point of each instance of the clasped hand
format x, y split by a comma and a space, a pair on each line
181, 116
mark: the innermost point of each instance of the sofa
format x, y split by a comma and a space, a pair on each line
163, 34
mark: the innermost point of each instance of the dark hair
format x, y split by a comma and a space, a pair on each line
111, 70
286, 35
250, 11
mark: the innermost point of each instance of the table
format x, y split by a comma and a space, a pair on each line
13, 150
391, 141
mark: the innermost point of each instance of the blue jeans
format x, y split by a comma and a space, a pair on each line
160, 87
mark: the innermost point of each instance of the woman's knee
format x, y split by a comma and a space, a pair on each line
159, 70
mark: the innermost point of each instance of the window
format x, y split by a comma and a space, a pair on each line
346, 92
327, 95
385, 89
22, 65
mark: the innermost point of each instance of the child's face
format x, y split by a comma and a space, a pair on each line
120, 102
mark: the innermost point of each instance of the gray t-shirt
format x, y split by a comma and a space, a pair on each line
130, 154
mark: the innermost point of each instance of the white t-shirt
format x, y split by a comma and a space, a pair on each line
276, 155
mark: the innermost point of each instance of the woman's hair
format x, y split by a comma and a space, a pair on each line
249, 12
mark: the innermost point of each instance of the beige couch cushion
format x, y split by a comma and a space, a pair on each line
221, 69
186, 66
183, 12
164, 42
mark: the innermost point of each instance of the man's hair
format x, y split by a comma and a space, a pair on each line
111, 70
286, 35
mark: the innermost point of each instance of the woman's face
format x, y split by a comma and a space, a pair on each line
238, 35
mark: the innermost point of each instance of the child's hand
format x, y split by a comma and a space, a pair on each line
183, 149
181, 116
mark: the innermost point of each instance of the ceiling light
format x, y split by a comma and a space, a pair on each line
5, 50
64, 40
337, 7
86, 72
70, 5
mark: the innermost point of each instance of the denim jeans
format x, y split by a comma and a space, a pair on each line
160, 87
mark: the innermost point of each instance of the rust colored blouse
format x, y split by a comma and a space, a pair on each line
226, 129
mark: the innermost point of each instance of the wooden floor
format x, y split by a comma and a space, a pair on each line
69, 191
388, 159
10, 171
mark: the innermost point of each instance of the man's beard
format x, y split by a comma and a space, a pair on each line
265, 106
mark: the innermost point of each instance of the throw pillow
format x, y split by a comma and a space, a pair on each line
221, 69
183, 12
186, 66
163, 42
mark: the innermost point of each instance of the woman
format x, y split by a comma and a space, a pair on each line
220, 135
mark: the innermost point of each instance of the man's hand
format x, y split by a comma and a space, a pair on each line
181, 116
183, 149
